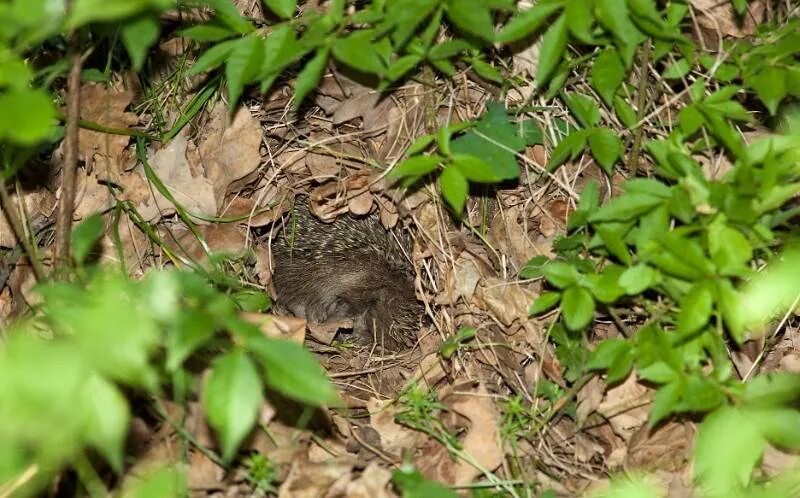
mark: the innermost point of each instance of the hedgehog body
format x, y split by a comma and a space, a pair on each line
350, 268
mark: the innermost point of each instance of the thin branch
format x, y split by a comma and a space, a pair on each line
69, 169
19, 230
641, 103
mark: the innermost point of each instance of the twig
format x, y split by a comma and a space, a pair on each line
19, 231
69, 169
640, 104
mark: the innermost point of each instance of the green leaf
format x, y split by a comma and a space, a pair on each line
472, 16
494, 139
107, 416
283, 8
190, 330
696, 308
770, 86
545, 302
614, 15
404, 16
607, 352
580, 19
359, 52
577, 307
451, 345
772, 390
551, 51
309, 77
665, 402
607, 74
413, 485
400, 67
242, 66
584, 109
533, 267
251, 300
474, 168
727, 448
454, 188
606, 148
228, 14
213, 57
86, 11
561, 274
448, 49
231, 398
85, 236
138, 35
528, 21
208, 32
613, 237
569, 147
416, 166
779, 426
638, 279
677, 69
729, 249
625, 112
729, 302
27, 116
292, 370
165, 482
700, 395
625, 207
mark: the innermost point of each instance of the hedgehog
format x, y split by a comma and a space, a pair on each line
350, 268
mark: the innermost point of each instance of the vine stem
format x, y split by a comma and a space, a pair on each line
19, 230
641, 101
70, 166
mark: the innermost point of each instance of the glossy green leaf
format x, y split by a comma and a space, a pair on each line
474, 169
231, 398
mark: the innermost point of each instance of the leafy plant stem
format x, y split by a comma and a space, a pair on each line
641, 104
619, 323
16, 225
70, 166
89, 478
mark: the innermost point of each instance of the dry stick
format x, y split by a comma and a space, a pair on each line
640, 104
19, 231
69, 169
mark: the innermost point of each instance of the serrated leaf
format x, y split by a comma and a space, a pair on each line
292, 370
625, 112
580, 19
569, 147
545, 302
231, 398
607, 74
454, 188
138, 35
770, 86
606, 148
85, 236
577, 307
730, 250
552, 49
493, 139
584, 109
528, 21
309, 77
358, 50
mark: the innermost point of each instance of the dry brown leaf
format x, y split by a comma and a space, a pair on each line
506, 301
105, 105
314, 480
91, 197
324, 333
461, 279
626, 407
277, 326
230, 154
223, 238
372, 483
185, 182
482, 441
36, 204
322, 166
588, 399
395, 438
719, 18
361, 204
510, 237
668, 447
203, 474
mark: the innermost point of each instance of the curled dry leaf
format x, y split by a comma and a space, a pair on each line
395, 438
462, 279
324, 333
313, 480
278, 326
510, 236
719, 19
230, 154
626, 406
105, 105
507, 301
